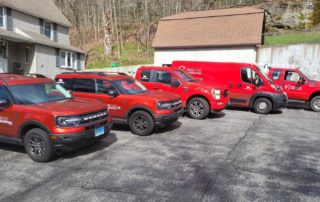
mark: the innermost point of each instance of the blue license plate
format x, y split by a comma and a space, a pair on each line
99, 131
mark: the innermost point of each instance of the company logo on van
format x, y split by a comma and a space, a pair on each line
5, 120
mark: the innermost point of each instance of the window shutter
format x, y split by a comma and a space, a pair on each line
9, 19
78, 61
57, 57
41, 23
55, 32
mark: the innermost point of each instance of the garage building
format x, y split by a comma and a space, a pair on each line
224, 35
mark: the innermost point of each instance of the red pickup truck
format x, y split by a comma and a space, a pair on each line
297, 86
199, 97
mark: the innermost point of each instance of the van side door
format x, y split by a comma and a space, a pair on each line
241, 92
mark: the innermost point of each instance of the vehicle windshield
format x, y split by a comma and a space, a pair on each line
264, 74
304, 75
130, 86
39, 93
184, 76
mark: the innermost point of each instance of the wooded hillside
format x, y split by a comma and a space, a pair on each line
122, 30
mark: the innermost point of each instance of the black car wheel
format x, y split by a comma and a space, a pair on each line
38, 145
262, 106
315, 104
141, 123
198, 108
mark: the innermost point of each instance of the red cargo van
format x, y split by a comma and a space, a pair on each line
248, 86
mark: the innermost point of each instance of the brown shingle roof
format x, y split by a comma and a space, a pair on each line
45, 9
212, 28
35, 38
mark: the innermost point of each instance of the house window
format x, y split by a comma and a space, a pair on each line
48, 29
27, 53
68, 59
3, 17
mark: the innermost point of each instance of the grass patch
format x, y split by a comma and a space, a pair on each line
294, 38
131, 55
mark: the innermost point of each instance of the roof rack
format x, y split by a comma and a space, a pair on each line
98, 73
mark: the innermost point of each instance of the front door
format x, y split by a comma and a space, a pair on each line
7, 117
3, 57
293, 85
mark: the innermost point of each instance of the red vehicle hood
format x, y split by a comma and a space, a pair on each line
315, 83
74, 106
159, 96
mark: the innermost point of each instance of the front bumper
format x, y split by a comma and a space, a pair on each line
280, 101
219, 105
162, 120
72, 141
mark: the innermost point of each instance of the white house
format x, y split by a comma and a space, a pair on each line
34, 38
225, 35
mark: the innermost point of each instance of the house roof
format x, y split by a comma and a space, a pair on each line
45, 9
35, 38
212, 28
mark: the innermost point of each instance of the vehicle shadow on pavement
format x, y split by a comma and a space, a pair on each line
172, 127
111, 139
216, 115
12, 148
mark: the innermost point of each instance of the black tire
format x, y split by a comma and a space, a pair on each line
315, 104
262, 106
38, 145
198, 108
141, 123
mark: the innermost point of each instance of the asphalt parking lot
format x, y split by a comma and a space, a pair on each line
232, 156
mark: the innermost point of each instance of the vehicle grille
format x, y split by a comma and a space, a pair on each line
92, 117
226, 93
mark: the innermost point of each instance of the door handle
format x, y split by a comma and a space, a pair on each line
155, 88
239, 85
99, 99
230, 85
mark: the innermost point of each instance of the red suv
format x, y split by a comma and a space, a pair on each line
198, 97
128, 101
297, 86
45, 118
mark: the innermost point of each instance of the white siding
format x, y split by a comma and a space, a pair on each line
303, 56
236, 54
63, 35
46, 62
25, 22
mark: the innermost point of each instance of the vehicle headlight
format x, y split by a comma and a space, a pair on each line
164, 105
216, 94
68, 121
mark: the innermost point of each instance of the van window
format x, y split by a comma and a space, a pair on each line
276, 75
84, 85
145, 75
66, 83
249, 76
163, 77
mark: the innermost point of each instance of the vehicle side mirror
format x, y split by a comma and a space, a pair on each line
258, 82
175, 83
4, 103
302, 81
113, 93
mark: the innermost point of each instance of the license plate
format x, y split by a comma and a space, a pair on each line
99, 131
